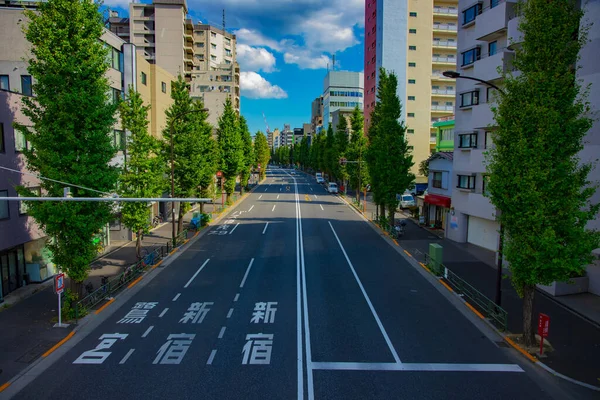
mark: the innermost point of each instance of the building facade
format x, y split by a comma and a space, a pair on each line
438, 200
444, 136
337, 115
316, 115
416, 41
342, 90
487, 37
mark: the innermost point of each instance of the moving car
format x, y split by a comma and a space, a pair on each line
332, 187
406, 200
319, 177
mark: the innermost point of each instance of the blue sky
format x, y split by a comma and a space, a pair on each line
283, 48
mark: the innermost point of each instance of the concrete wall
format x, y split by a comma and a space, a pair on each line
169, 26
342, 81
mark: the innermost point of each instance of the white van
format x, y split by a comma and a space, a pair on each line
319, 177
332, 187
406, 200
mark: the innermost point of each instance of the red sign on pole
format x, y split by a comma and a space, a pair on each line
543, 328
219, 174
59, 283
258, 165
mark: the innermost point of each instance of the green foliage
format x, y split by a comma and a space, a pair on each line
331, 163
261, 152
231, 146
358, 173
248, 153
341, 147
71, 127
303, 152
68, 308
143, 173
424, 167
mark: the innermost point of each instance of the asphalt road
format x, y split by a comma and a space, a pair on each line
292, 296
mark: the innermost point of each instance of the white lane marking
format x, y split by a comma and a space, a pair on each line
311, 189
273, 207
350, 366
381, 328
246, 274
260, 197
229, 313
124, 359
278, 196
300, 354
264, 230
222, 332
237, 296
197, 272
163, 312
315, 196
321, 207
212, 356
148, 331
236, 225
251, 208
176, 296
266, 189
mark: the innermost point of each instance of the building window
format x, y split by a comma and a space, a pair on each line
447, 135
4, 213
410, 131
212, 34
119, 140
492, 48
26, 85
20, 142
2, 148
412, 31
37, 191
467, 141
413, 14
213, 46
116, 95
412, 64
200, 45
144, 78
227, 62
494, 3
411, 115
411, 98
412, 47
487, 141
412, 81
469, 99
470, 56
4, 82
471, 13
163, 87
213, 57
466, 182
490, 93
485, 185
437, 179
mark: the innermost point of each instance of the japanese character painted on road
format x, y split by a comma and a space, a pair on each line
137, 313
173, 351
264, 312
146, 305
95, 356
257, 349
196, 313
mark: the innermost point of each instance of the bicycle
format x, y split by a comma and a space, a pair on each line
158, 219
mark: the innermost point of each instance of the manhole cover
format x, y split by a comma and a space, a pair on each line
34, 352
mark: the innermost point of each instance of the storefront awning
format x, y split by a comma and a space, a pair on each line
438, 200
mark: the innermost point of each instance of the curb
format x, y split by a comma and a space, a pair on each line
508, 340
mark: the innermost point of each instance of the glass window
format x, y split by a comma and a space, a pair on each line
437, 179
467, 141
485, 184
213, 46
26, 85
412, 81
412, 64
492, 48
412, 98
466, 182
4, 82
494, 3
119, 140
411, 115
200, 45
412, 31
163, 87
488, 139
116, 95
212, 34
4, 212
410, 131
412, 47
448, 134
413, 14
471, 13
144, 78
20, 142
2, 148
470, 56
469, 99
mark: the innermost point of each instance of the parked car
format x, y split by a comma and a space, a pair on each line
320, 179
406, 200
332, 187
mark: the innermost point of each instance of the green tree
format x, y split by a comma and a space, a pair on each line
358, 172
341, 147
424, 167
208, 152
248, 150
304, 152
330, 153
231, 147
143, 173
261, 152
542, 121
71, 127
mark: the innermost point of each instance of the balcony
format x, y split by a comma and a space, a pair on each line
445, 12
433, 139
444, 28
445, 44
443, 92
441, 109
515, 36
437, 76
443, 60
486, 68
492, 22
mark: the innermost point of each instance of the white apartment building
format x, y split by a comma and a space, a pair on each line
342, 90
487, 35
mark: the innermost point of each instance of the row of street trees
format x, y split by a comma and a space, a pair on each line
71, 138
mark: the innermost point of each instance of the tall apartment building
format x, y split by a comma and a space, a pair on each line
487, 37
22, 252
417, 41
342, 90
273, 138
316, 114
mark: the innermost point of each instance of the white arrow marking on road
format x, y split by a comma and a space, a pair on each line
321, 207
176, 296
124, 359
211, 357
197, 272
246, 274
222, 332
236, 225
264, 230
274, 208
148, 331
251, 207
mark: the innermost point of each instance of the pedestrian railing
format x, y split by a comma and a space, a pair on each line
490, 310
131, 273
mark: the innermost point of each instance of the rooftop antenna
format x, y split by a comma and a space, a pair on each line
333, 62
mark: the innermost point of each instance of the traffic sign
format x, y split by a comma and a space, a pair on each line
543, 328
219, 174
59, 283
258, 165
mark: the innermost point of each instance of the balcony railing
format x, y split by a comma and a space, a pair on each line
443, 91
445, 10
433, 139
441, 108
444, 43
444, 59
445, 27
438, 75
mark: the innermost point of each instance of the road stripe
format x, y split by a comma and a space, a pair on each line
520, 349
176, 296
196, 274
475, 310
135, 282
410, 255
124, 359
315, 196
264, 230
211, 357
446, 285
222, 332
57, 345
229, 313
299, 298
98, 311
278, 196
275, 205
237, 296
148, 331
246, 274
366, 296
350, 366
236, 225
321, 207
251, 208
163, 312
7, 384
260, 197
266, 189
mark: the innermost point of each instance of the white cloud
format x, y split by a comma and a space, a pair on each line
255, 58
255, 38
305, 59
117, 3
255, 86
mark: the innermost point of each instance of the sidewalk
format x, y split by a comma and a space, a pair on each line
27, 317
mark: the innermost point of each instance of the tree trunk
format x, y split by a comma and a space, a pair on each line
358, 195
180, 219
392, 214
382, 210
138, 244
528, 331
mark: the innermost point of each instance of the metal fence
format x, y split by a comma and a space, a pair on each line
490, 310
131, 273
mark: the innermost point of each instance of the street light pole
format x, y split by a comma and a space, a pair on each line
498, 300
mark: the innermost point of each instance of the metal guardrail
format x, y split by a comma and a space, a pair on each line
490, 310
131, 273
